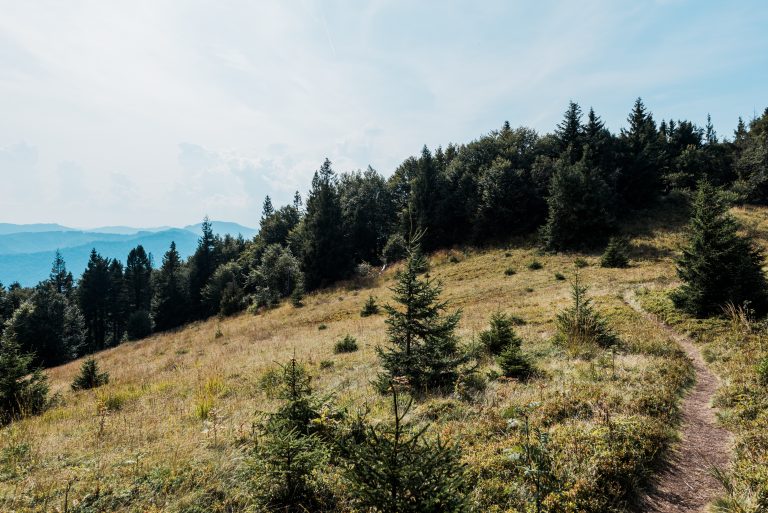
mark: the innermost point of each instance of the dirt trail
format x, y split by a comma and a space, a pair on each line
685, 483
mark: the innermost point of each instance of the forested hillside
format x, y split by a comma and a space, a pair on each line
454, 337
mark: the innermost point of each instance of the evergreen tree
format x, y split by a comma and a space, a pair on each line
89, 376
324, 249
422, 344
616, 253
61, 280
138, 276
93, 299
426, 191
570, 134
117, 303
581, 208
267, 210
23, 391
640, 177
368, 213
170, 304
397, 469
500, 334
718, 266
580, 327
202, 264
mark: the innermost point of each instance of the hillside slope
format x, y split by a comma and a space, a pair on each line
173, 429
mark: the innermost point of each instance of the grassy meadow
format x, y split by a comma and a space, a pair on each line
173, 429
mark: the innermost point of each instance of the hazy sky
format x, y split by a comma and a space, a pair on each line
158, 112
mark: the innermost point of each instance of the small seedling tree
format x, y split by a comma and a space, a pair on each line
369, 308
616, 253
89, 376
500, 334
23, 391
581, 326
395, 468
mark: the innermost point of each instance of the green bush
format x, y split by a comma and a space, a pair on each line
139, 325
559, 276
500, 334
395, 249
535, 265
89, 376
509, 271
348, 344
580, 263
513, 363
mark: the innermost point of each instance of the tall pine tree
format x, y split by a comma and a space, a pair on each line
170, 304
138, 276
202, 264
93, 299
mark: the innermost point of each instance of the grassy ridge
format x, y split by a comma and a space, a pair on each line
172, 429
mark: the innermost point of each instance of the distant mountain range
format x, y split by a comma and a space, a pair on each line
27, 250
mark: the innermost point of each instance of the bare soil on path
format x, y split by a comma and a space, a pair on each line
685, 482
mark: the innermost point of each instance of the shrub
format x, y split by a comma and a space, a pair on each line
326, 364
500, 334
469, 385
348, 344
559, 276
22, 390
580, 263
322, 327
139, 325
89, 376
762, 372
112, 401
535, 265
369, 308
509, 271
616, 253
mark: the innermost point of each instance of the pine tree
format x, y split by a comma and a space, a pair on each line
570, 134
640, 178
202, 264
60, 278
170, 304
138, 275
500, 334
397, 469
422, 344
23, 391
718, 266
424, 201
117, 303
93, 299
89, 376
324, 250
616, 253
267, 210
370, 307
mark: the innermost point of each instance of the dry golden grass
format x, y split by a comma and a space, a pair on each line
162, 389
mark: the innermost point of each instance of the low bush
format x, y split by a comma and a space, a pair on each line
348, 344
89, 376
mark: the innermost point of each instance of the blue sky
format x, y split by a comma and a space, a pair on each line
158, 112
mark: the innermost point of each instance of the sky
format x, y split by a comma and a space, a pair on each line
149, 113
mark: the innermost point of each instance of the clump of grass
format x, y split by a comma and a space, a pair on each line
218, 333
762, 372
580, 263
111, 401
559, 276
535, 265
529, 289
204, 406
322, 327
348, 344
326, 364
510, 271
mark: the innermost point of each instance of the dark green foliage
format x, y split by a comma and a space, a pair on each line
580, 263
93, 298
277, 276
370, 307
348, 344
23, 391
223, 291
640, 178
570, 134
422, 344
559, 276
500, 334
89, 376
202, 265
752, 159
616, 253
581, 208
170, 303
117, 304
395, 468
139, 325
580, 326
427, 186
289, 452
395, 248
276, 225
368, 213
718, 266
324, 245
47, 325
60, 279
138, 275
510, 271
512, 362
762, 372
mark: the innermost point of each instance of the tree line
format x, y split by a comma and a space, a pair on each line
571, 187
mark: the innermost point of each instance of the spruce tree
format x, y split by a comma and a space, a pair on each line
89, 376
426, 191
395, 468
616, 253
640, 177
61, 280
170, 304
202, 264
117, 303
580, 326
23, 390
718, 266
138, 275
500, 334
422, 344
570, 134
93, 299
